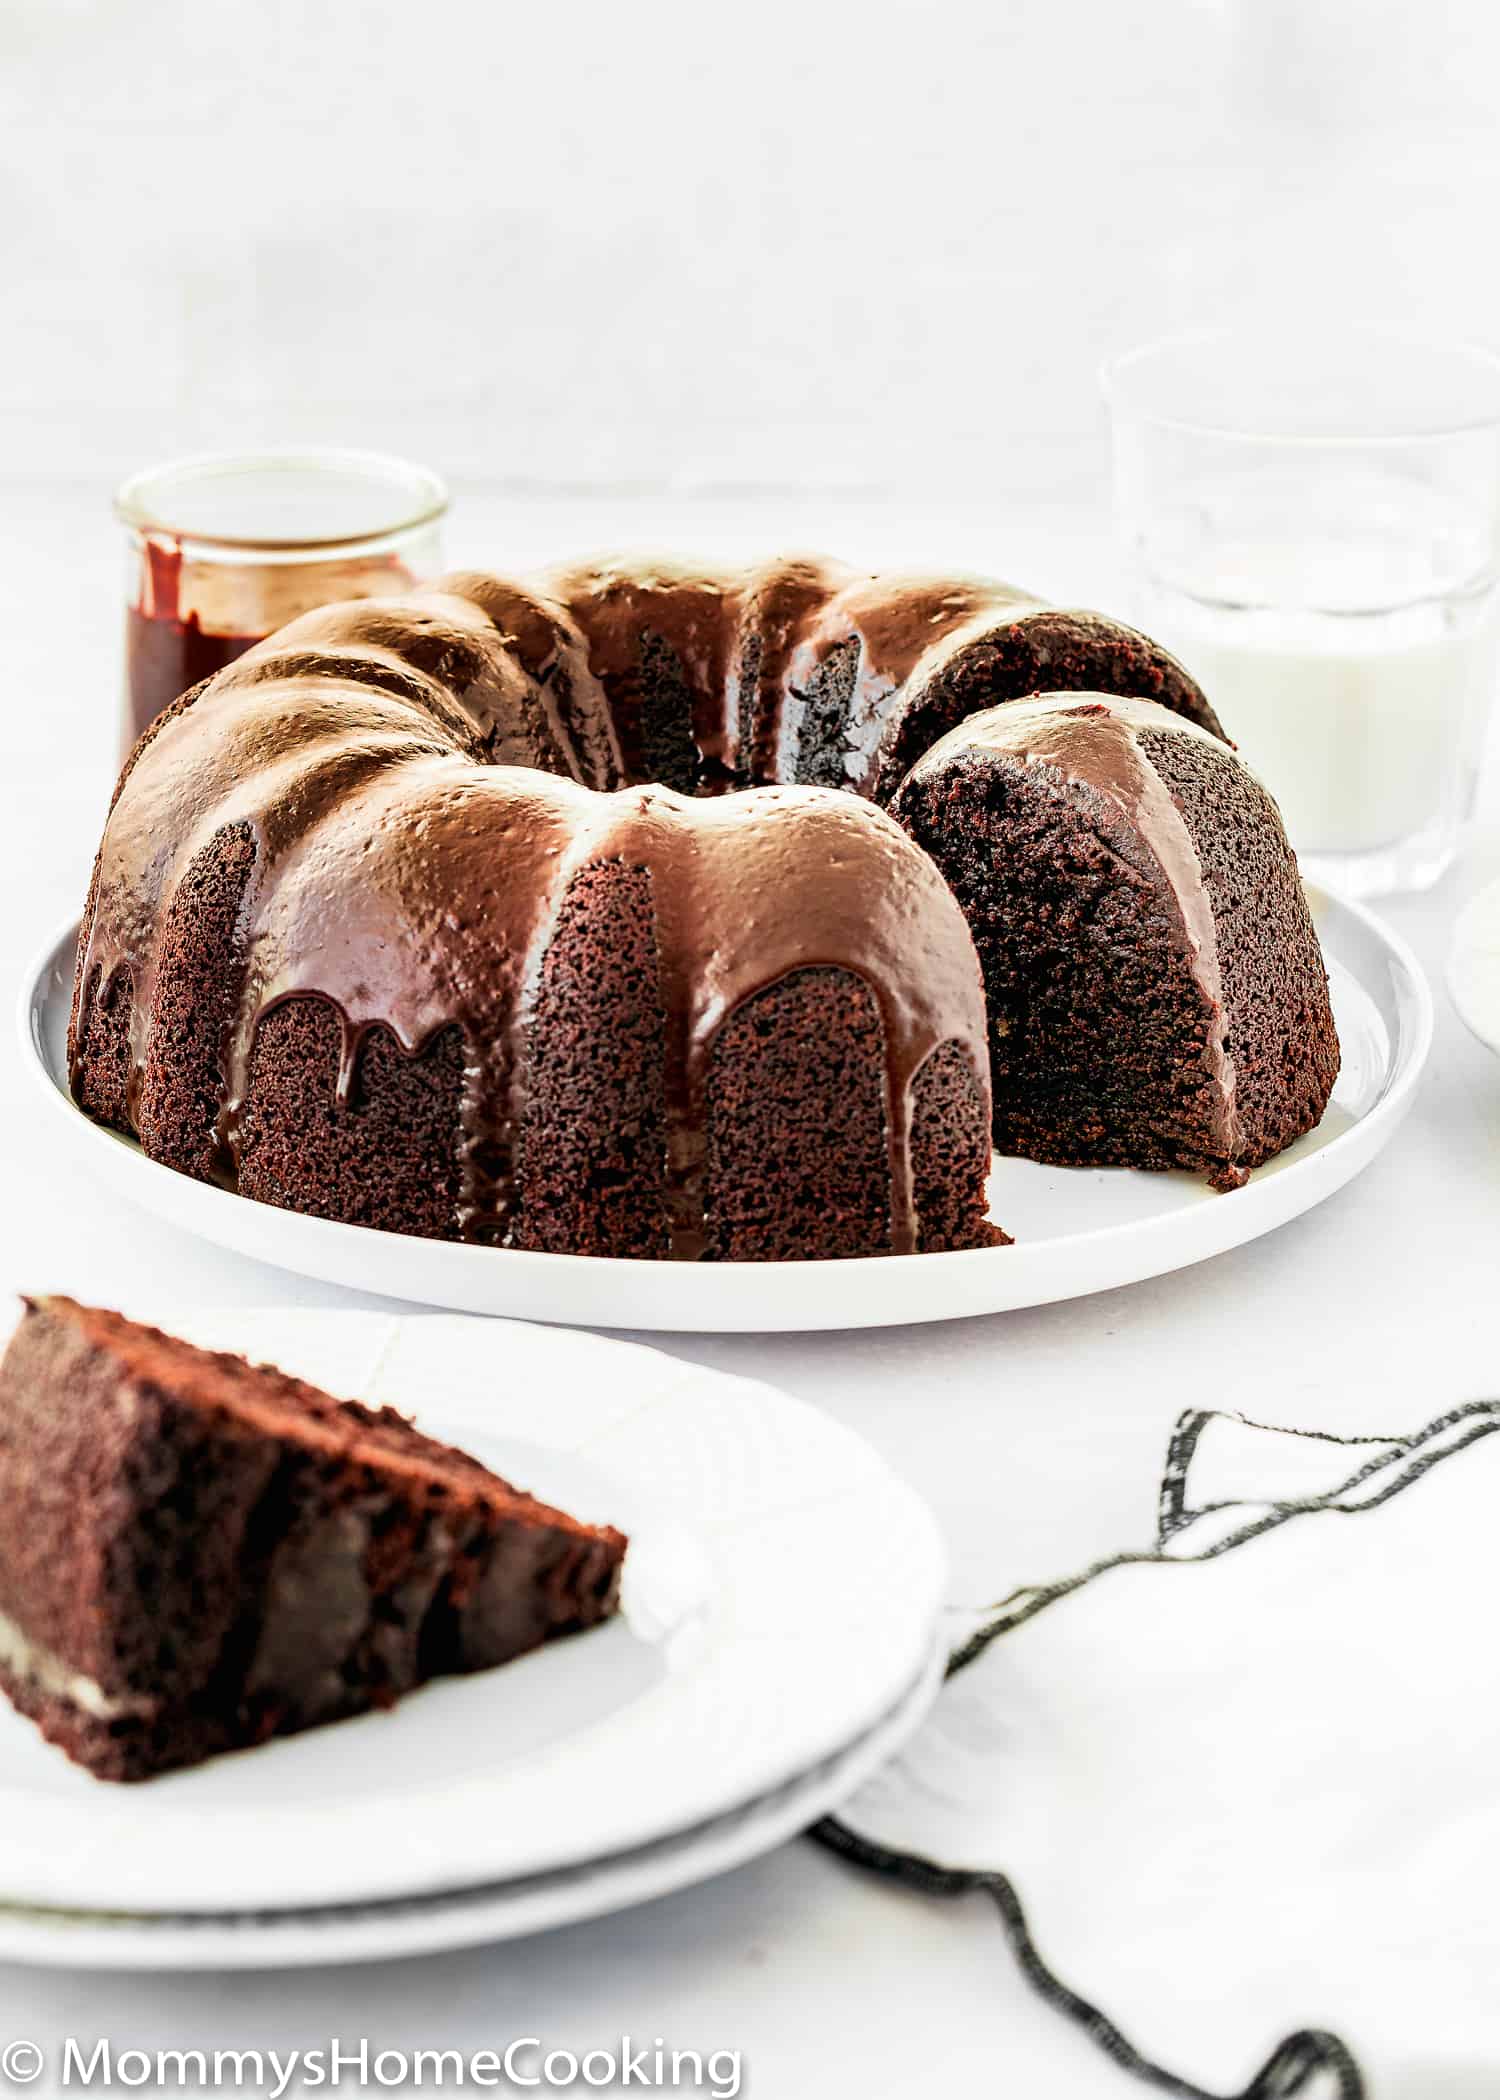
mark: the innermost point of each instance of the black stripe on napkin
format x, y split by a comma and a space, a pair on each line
1310, 2063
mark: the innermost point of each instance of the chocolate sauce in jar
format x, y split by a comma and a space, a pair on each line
167, 650
226, 550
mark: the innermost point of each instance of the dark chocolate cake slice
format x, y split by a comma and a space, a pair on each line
1156, 992
197, 1553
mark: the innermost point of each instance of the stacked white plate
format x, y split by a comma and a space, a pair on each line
778, 1641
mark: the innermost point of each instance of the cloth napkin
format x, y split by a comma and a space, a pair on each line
1235, 1790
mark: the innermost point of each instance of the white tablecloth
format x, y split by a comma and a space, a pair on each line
1376, 1309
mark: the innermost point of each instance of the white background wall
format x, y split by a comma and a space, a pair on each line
686, 245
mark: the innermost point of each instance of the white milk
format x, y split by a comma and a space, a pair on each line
1360, 736
1340, 627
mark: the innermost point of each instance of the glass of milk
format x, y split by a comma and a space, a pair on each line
1314, 526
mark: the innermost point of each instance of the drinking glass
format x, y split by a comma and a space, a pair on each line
1313, 522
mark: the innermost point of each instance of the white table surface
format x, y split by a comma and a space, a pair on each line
1367, 1313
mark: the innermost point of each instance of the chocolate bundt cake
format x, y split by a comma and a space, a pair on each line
1156, 992
196, 1554
446, 914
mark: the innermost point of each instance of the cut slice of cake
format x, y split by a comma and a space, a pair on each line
1156, 993
197, 1553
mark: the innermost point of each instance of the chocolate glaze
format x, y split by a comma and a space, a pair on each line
904, 626
1094, 745
193, 614
421, 777
779, 601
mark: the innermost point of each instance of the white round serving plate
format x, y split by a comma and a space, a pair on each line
465, 1917
781, 1599
1474, 966
1077, 1230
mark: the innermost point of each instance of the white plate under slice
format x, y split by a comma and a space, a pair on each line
781, 1597
383, 1931
1077, 1229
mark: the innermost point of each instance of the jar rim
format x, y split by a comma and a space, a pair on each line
370, 495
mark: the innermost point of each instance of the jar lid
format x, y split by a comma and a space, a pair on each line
282, 501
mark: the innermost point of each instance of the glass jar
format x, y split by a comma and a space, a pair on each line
223, 550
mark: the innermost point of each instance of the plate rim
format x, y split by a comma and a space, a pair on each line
601, 1291
1486, 897
386, 1928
